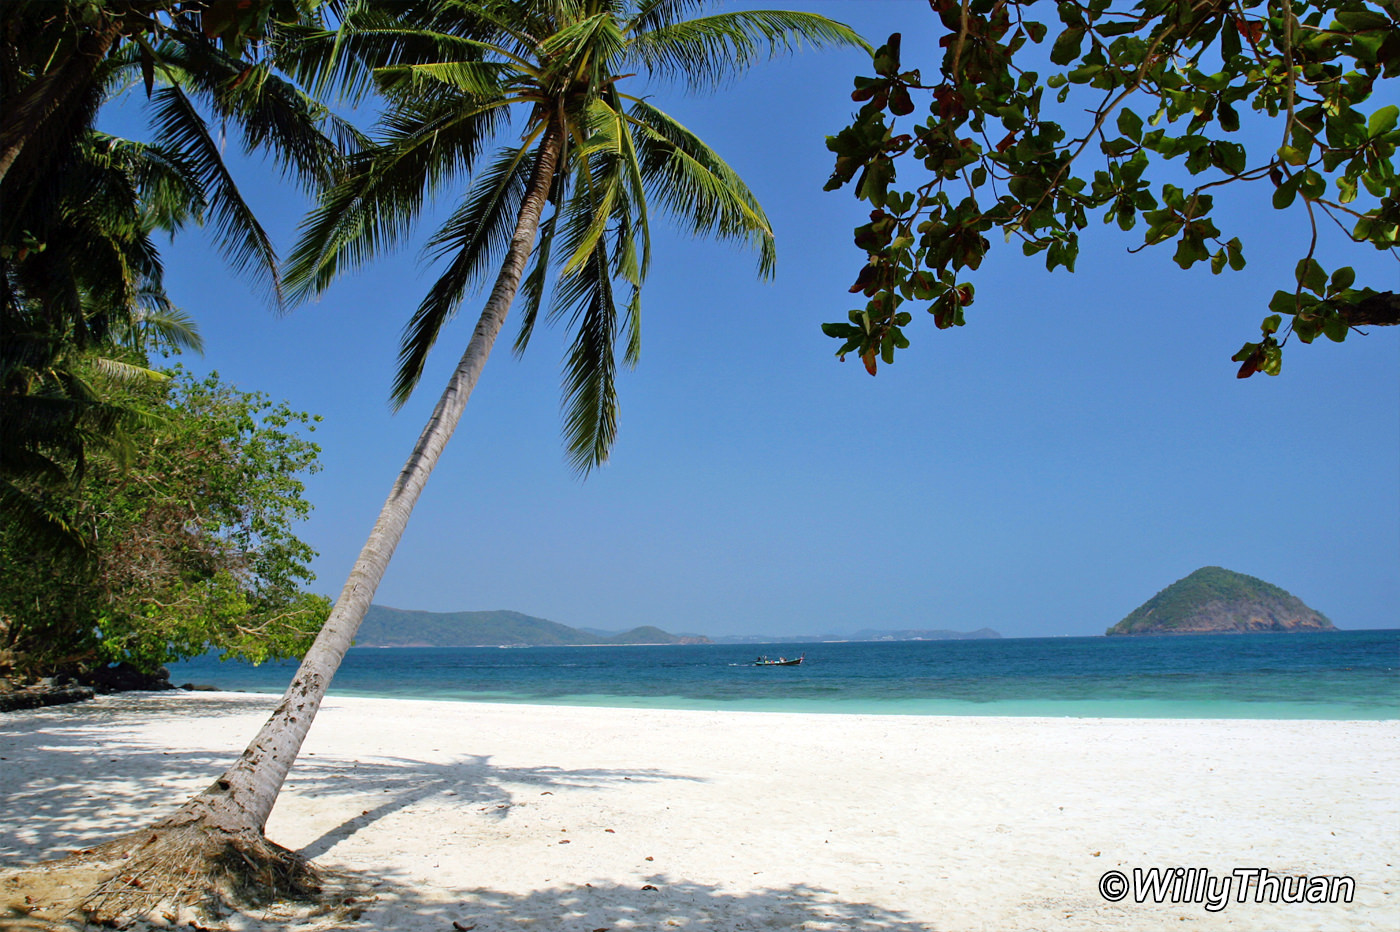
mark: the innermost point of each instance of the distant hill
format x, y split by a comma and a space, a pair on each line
916, 634
395, 627
931, 634
1213, 600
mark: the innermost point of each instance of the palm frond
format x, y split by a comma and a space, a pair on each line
707, 51
371, 207
533, 287
637, 200
119, 370
272, 114
632, 323
376, 35
245, 244
696, 186
162, 324
475, 236
474, 78
590, 368
43, 525
652, 15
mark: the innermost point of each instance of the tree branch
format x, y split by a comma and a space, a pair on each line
1378, 309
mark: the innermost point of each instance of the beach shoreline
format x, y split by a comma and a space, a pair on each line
512, 816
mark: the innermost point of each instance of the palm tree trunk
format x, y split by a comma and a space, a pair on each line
243, 797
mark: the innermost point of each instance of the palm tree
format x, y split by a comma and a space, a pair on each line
588, 163
91, 300
79, 270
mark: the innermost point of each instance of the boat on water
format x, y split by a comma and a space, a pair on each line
780, 662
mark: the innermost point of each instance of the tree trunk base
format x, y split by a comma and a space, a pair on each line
186, 874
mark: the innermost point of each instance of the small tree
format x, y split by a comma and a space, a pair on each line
188, 540
1160, 80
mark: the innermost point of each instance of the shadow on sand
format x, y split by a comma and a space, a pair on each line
658, 903
65, 784
472, 779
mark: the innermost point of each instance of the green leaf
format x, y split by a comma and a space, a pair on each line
1066, 47
887, 57
1311, 276
1342, 279
1271, 324
1335, 327
1273, 359
1306, 328
1130, 125
1284, 302
900, 103
1362, 20
1235, 250
1312, 185
1382, 121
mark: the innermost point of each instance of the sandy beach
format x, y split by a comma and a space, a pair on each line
506, 817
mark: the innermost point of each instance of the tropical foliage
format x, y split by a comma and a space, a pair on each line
453, 75
1160, 81
88, 293
188, 540
81, 272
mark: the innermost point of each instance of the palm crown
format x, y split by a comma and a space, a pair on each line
80, 272
455, 74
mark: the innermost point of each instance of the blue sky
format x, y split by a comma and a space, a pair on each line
1079, 445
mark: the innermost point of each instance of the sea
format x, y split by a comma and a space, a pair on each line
1335, 675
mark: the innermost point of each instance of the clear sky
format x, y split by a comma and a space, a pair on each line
1079, 445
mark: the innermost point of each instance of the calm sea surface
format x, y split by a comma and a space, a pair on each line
1343, 675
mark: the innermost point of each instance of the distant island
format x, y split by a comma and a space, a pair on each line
1214, 600
395, 627
867, 634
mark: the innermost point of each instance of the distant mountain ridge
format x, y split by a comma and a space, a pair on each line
396, 627
867, 634
1214, 600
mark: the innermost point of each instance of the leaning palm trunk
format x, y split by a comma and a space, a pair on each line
243, 797
228, 817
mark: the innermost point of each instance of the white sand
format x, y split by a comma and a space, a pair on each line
746, 821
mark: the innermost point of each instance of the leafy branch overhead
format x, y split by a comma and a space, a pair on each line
1143, 84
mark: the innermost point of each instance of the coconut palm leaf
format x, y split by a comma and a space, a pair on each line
534, 286
475, 237
382, 188
242, 239
696, 186
590, 368
703, 53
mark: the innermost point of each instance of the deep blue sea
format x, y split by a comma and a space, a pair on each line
1341, 675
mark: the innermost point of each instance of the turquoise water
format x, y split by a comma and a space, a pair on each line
1341, 675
